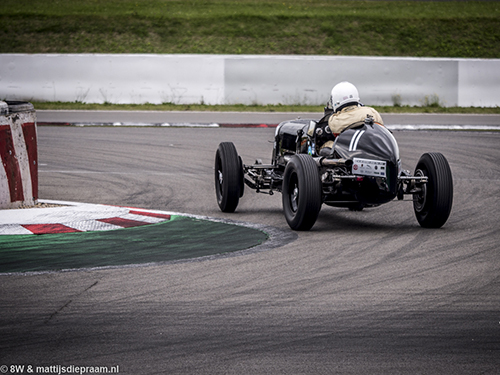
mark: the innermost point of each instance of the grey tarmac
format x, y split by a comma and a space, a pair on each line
365, 292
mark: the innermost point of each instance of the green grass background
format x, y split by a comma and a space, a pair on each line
318, 27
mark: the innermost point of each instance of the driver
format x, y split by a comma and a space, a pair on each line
342, 111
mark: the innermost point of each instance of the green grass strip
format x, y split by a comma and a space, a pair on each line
311, 27
434, 108
179, 238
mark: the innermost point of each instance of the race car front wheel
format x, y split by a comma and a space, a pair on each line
228, 177
433, 203
301, 192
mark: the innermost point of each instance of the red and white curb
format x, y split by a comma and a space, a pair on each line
70, 217
18, 159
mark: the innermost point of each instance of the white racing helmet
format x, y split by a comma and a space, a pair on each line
343, 93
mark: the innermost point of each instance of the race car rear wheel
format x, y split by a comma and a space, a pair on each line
228, 177
301, 192
433, 204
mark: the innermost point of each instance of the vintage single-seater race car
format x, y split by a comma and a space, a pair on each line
363, 169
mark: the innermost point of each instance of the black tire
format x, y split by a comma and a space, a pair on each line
228, 177
301, 192
433, 205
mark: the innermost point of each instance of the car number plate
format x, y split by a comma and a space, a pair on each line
367, 167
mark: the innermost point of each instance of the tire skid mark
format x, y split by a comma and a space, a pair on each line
69, 302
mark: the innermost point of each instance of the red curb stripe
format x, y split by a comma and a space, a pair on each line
121, 222
29, 132
152, 214
10, 163
49, 228
53, 123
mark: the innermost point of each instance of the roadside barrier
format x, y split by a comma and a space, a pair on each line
19, 154
247, 79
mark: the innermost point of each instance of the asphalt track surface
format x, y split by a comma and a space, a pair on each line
235, 118
362, 293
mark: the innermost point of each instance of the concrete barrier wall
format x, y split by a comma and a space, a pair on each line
247, 79
19, 155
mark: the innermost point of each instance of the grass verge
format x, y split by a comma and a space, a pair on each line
310, 27
251, 108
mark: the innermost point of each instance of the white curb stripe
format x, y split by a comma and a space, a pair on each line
13, 229
79, 216
147, 219
91, 225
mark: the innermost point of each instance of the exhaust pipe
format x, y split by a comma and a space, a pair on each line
324, 162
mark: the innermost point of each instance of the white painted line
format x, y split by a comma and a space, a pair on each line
80, 216
151, 124
444, 127
144, 218
91, 225
58, 215
13, 229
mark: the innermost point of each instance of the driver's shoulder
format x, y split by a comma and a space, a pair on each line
358, 113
